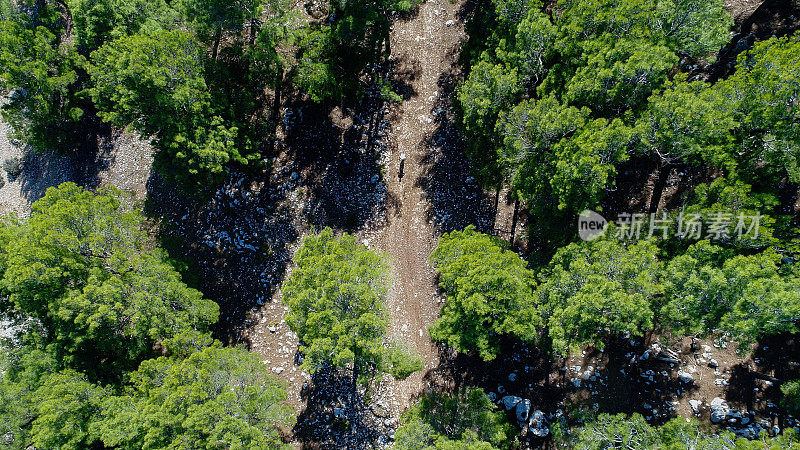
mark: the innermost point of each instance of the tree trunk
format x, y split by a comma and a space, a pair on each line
659, 185
276, 103
496, 205
514, 222
252, 31
355, 382
217, 40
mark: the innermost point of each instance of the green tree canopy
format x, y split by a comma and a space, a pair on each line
619, 431
709, 287
83, 270
337, 307
763, 92
155, 82
336, 55
694, 27
618, 74
86, 300
99, 21
41, 76
217, 397
601, 288
688, 122
466, 420
489, 293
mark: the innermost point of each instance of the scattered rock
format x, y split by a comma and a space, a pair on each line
510, 401
380, 410
719, 410
338, 412
538, 424
695, 404
523, 410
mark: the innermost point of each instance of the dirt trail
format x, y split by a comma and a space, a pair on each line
423, 48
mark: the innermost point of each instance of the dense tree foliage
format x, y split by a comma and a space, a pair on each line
337, 307
618, 431
709, 287
214, 396
466, 420
599, 289
86, 301
146, 65
489, 293
82, 269
556, 99
337, 56
100, 21
155, 82
41, 74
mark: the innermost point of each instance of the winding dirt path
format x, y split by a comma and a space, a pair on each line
423, 48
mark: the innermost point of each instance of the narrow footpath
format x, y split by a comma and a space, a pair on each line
423, 48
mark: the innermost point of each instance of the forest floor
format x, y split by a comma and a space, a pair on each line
423, 49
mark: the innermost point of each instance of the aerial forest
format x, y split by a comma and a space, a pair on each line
408, 224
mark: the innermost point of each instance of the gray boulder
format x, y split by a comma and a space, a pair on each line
719, 410
523, 410
510, 401
537, 424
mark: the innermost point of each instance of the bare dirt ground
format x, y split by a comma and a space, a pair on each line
425, 47
123, 160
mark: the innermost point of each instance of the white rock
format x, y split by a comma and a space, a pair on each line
523, 410
538, 424
719, 410
695, 404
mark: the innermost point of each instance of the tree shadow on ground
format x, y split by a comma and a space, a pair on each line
618, 379
455, 197
771, 18
756, 384
336, 417
336, 151
82, 165
404, 72
41, 170
235, 246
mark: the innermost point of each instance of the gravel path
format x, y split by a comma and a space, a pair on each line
423, 48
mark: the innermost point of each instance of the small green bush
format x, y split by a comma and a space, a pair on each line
13, 168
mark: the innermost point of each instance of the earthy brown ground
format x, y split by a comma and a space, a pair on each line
426, 47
